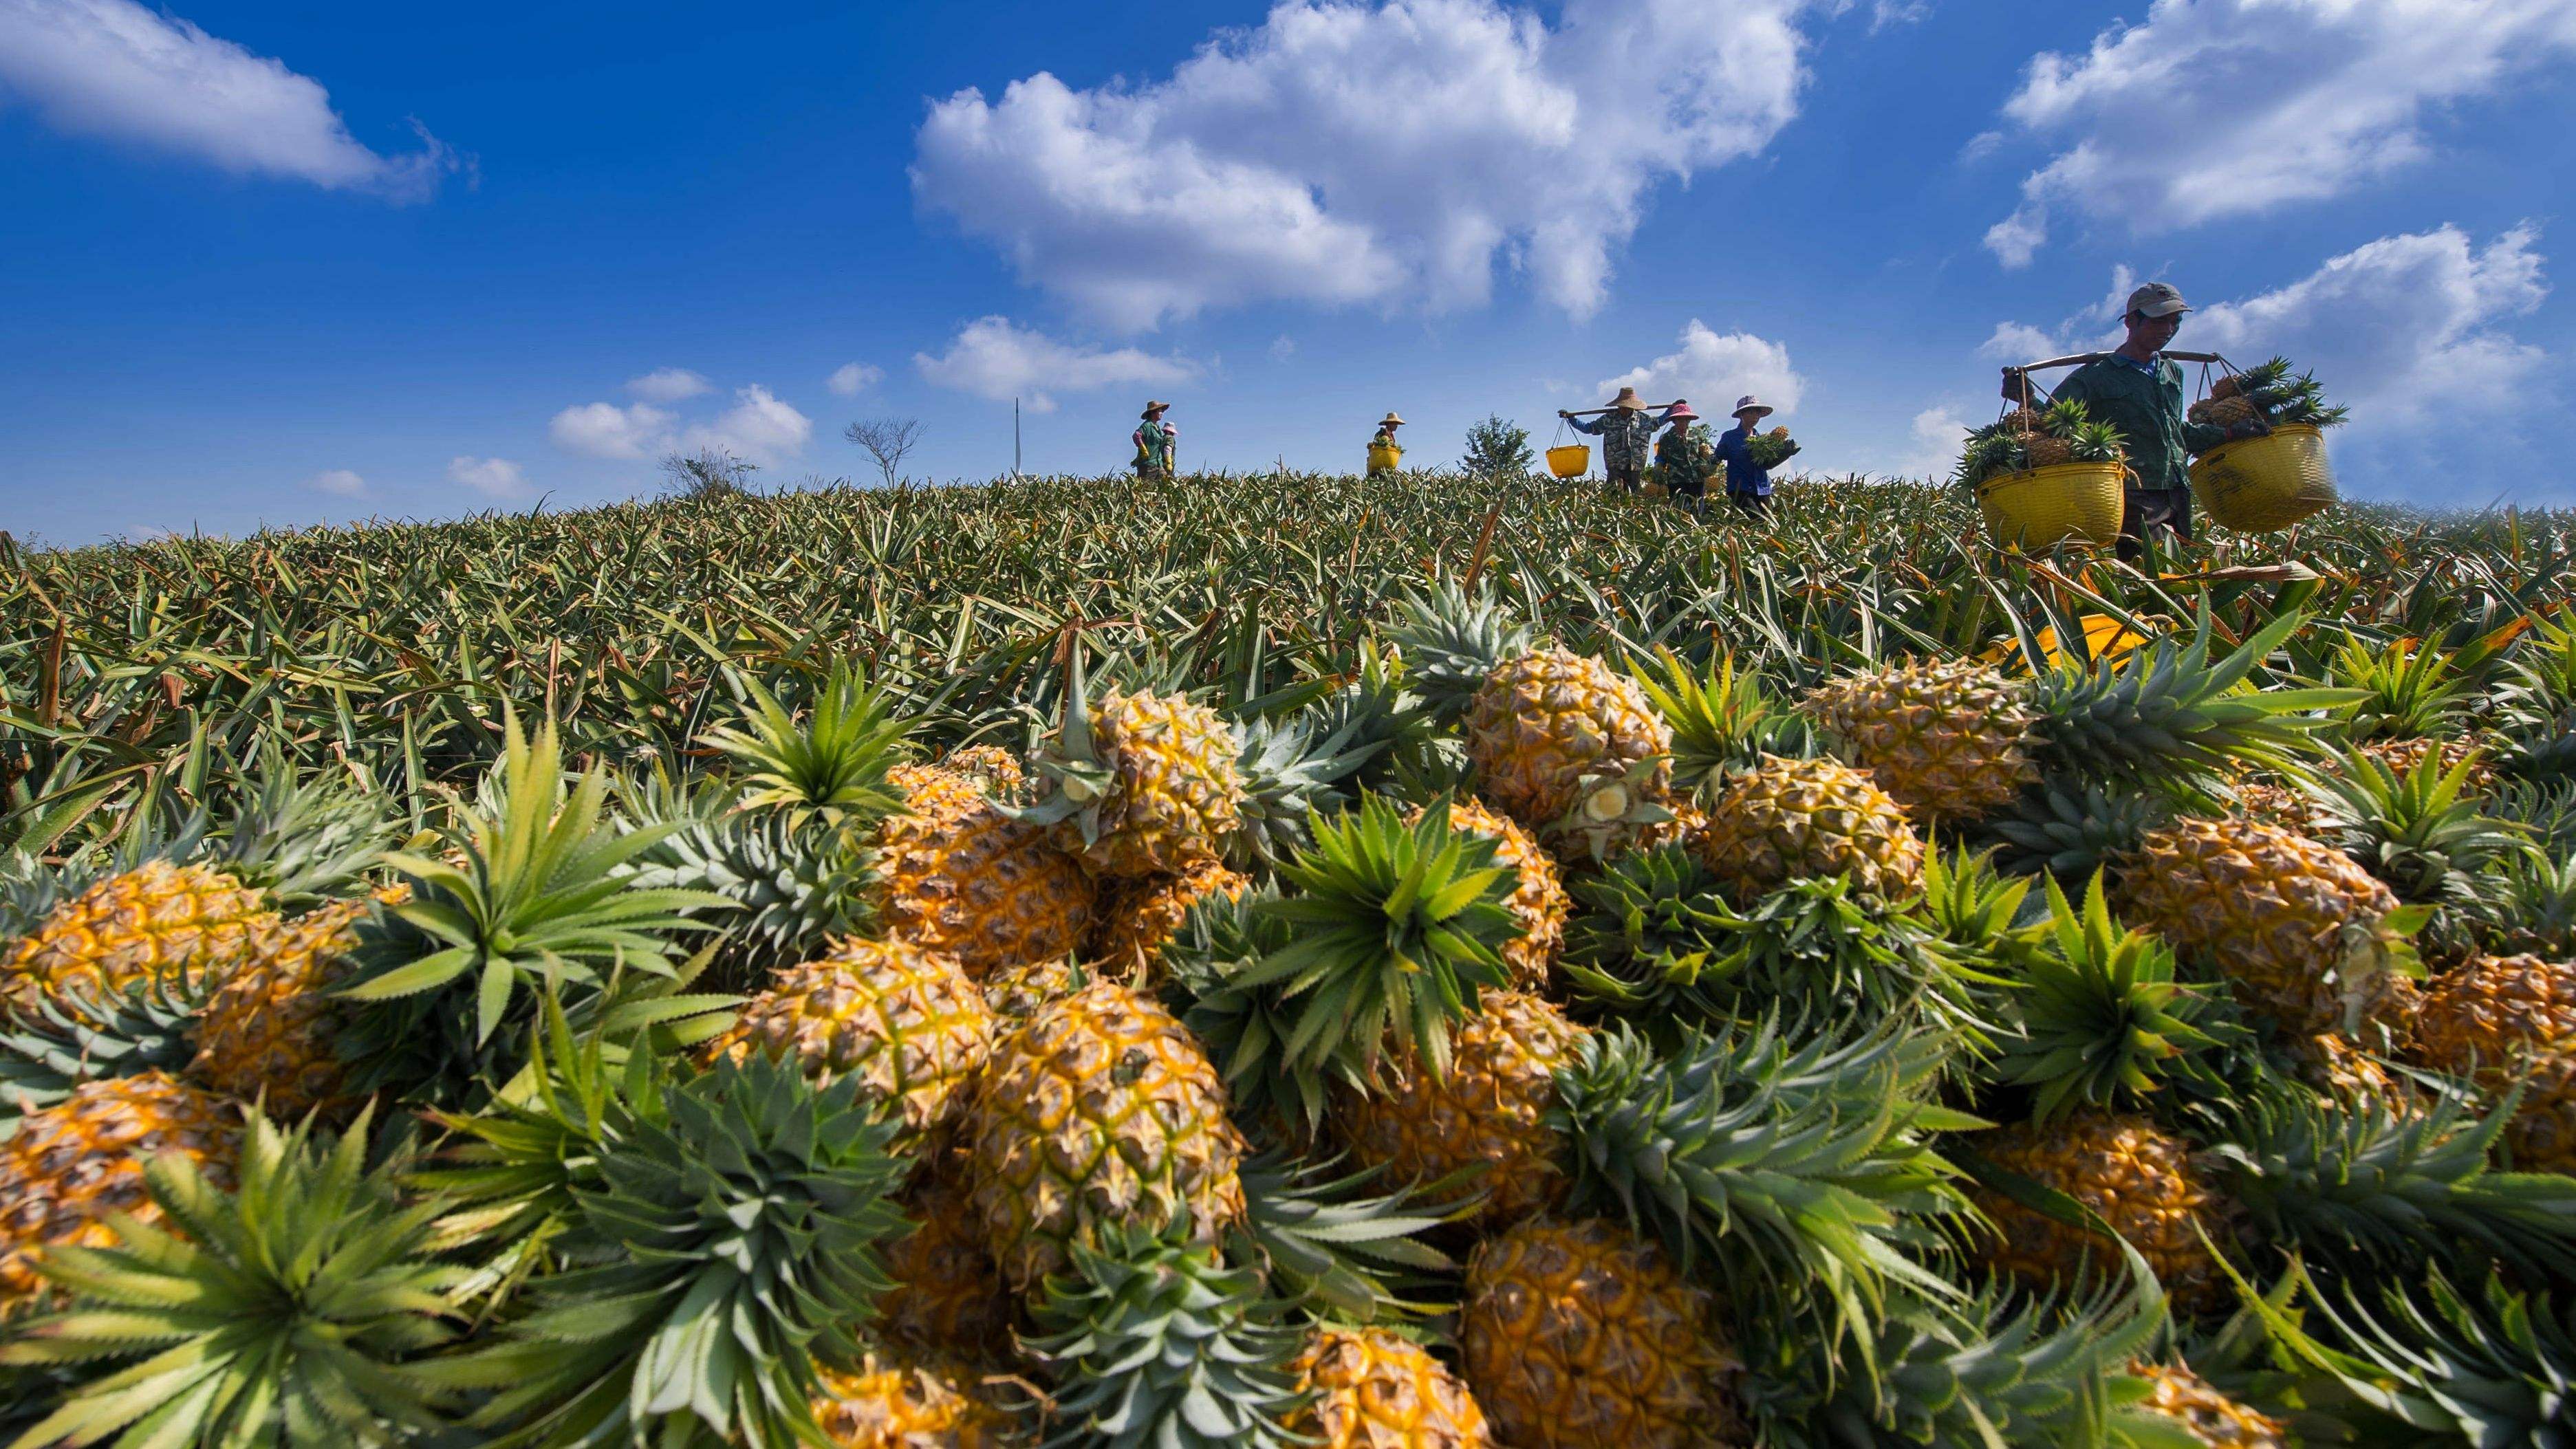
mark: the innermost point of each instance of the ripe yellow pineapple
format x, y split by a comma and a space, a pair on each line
154, 920
1100, 1110
67, 1167
2542, 1135
1562, 742
998, 768
2298, 927
2401, 756
2140, 1180
905, 1021
1373, 1390
1790, 819
2341, 1070
1489, 1111
2210, 1417
2228, 411
960, 875
2487, 1015
1021, 990
1138, 916
269, 1027
947, 1299
1538, 902
1149, 786
1944, 738
886, 1404
1581, 1334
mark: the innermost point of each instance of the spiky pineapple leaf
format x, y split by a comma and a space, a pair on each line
831, 766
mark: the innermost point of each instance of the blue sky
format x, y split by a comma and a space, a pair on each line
269, 264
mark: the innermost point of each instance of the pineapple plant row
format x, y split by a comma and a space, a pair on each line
1491, 1031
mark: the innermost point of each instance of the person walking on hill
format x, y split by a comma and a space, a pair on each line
1748, 484
1684, 457
1625, 432
1155, 441
2138, 391
1383, 443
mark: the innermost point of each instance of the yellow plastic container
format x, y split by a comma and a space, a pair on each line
2261, 484
2063, 503
1571, 461
1385, 458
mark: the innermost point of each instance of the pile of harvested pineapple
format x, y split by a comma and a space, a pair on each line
1489, 1045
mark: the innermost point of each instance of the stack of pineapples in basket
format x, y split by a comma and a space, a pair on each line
1496, 1045
2268, 394
2027, 438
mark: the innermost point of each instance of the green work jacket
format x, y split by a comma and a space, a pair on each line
2146, 408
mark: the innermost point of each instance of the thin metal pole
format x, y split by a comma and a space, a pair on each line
1015, 438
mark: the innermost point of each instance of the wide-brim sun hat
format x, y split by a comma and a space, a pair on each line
1681, 410
1389, 418
1754, 405
1152, 408
1627, 401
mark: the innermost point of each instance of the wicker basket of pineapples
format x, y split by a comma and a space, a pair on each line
2264, 483
2046, 476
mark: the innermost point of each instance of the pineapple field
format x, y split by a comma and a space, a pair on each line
1279, 959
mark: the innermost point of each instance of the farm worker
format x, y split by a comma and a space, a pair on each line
1748, 486
1624, 431
1385, 440
1154, 441
2138, 391
1683, 456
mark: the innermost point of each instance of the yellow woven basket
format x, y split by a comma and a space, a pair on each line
2067, 502
1384, 459
1570, 461
2261, 484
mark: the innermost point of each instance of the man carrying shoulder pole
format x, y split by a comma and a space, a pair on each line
1626, 432
2138, 391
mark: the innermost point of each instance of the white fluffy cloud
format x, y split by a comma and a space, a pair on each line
668, 385
2398, 328
1713, 369
852, 378
339, 482
118, 69
2217, 108
1389, 154
492, 477
1933, 444
992, 358
758, 428
605, 430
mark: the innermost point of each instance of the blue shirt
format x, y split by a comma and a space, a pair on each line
1743, 480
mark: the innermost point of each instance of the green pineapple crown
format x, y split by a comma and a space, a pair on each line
1397, 929
540, 898
1450, 640
1652, 941
2368, 1189
732, 1237
1292, 770
789, 885
1205, 965
87, 1032
1340, 1252
2169, 710
2422, 832
833, 765
2529, 904
2536, 704
1798, 1168
305, 839
2484, 1367
2409, 691
1153, 1341
1723, 722
2070, 830
298, 1308
2096, 443
2103, 1024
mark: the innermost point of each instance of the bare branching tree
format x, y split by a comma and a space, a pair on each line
707, 473
887, 440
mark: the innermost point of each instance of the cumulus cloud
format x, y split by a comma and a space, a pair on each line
2218, 108
993, 358
1390, 154
1713, 369
1887, 13
2400, 328
668, 385
118, 69
852, 378
492, 477
605, 430
339, 482
758, 428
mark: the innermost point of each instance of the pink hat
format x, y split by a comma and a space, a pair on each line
1679, 410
